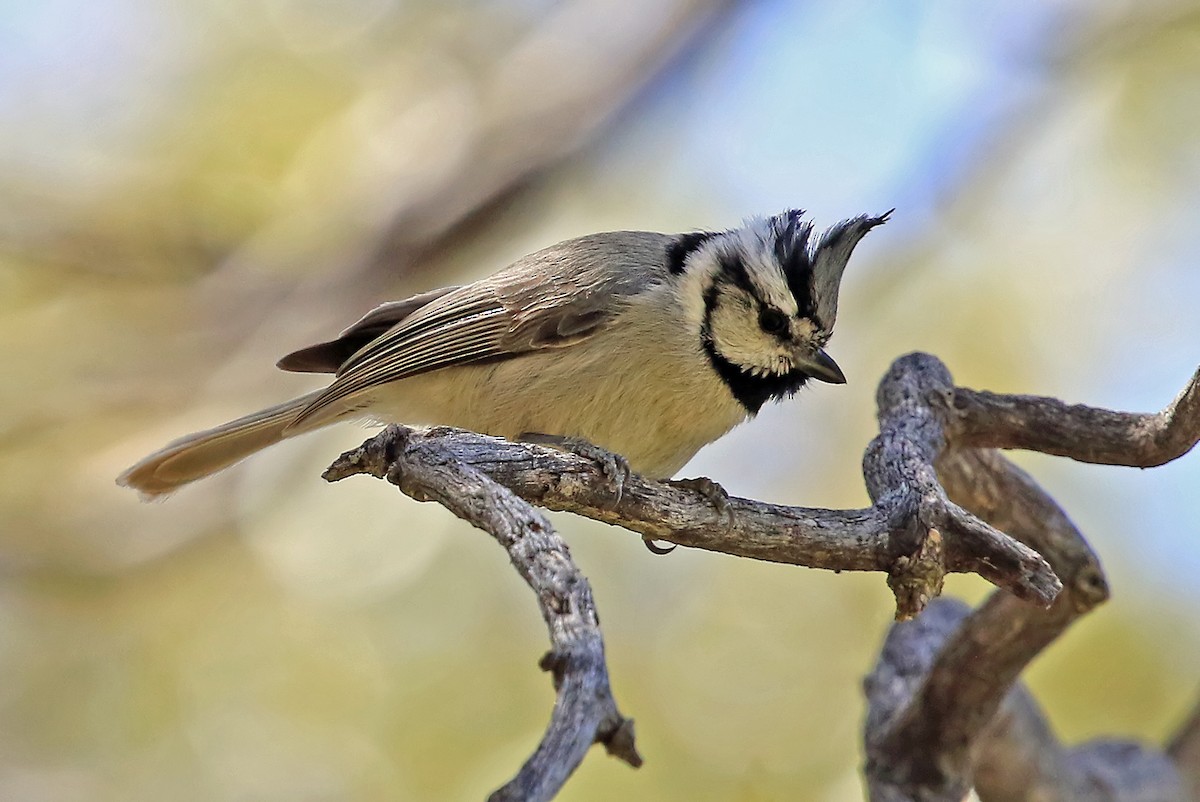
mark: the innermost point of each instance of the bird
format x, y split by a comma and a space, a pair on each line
643, 344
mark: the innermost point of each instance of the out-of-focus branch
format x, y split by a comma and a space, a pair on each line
925, 717
548, 96
481, 135
1014, 756
1184, 750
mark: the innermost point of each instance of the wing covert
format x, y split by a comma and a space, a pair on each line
554, 298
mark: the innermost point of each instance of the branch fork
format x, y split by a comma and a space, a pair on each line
943, 500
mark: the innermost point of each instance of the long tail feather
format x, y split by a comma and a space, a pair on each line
204, 453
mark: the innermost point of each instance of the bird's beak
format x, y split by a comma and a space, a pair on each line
823, 368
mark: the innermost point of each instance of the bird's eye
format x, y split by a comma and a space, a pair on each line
772, 321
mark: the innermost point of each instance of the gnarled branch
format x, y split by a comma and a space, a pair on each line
943, 501
1083, 433
585, 711
945, 713
900, 470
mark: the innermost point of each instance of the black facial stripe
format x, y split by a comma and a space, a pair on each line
734, 270
682, 246
750, 391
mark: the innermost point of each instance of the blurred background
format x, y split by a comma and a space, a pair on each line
190, 189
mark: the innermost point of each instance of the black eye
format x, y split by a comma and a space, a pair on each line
772, 321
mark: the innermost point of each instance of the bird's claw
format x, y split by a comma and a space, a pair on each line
652, 546
712, 492
614, 467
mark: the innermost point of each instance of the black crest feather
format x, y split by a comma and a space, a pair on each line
792, 233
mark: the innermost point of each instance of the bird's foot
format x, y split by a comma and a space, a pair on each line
614, 467
712, 492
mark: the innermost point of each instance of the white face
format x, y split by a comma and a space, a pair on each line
755, 317
761, 336
763, 300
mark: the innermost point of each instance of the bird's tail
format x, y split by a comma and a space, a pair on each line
204, 453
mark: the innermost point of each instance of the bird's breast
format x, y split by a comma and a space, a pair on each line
656, 408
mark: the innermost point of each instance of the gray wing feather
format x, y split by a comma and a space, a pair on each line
462, 303
329, 357
550, 299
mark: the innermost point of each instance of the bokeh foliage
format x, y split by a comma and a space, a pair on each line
189, 189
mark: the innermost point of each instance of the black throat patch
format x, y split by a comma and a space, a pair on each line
750, 390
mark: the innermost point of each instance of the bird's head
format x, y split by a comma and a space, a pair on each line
768, 294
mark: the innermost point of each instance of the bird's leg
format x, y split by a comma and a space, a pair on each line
614, 467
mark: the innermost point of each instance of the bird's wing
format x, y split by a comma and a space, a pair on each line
328, 357
551, 299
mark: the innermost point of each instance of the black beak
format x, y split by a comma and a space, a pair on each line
823, 368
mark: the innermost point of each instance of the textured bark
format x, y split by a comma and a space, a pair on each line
945, 710
585, 711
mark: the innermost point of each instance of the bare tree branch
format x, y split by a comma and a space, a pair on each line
679, 512
933, 730
585, 711
1083, 433
944, 710
899, 469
